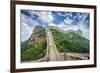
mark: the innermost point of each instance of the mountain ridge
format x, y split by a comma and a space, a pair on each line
35, 47
70, 41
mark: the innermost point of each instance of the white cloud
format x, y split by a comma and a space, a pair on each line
86, 32
72, 27
82, 25
29, 20
68, 20
33, 12
65, 27
62, 26
26, 31
59, 14
27, 26
46, 17
43, 16
52, 24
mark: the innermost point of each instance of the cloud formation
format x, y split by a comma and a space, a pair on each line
63, 20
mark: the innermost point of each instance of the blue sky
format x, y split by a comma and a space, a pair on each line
63, 20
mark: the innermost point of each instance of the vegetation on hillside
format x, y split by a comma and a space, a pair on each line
36, 46
34, 49
70, 42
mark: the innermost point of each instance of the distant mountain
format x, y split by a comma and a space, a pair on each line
35, 47
70, 41
78, 32
56, 28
